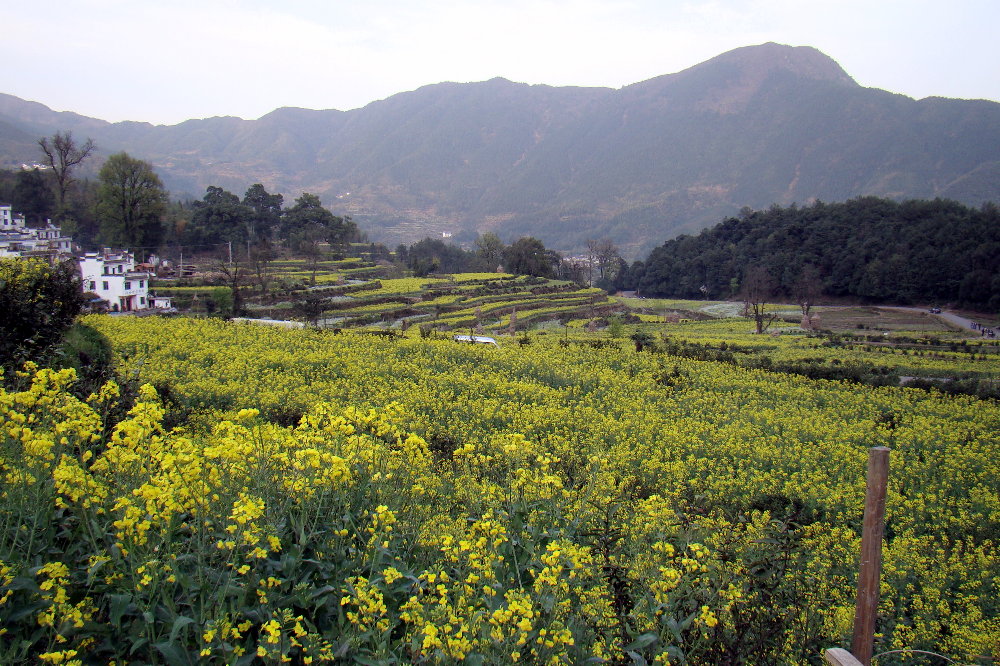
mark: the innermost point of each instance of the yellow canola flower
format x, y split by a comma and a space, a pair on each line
549, 436
60, 657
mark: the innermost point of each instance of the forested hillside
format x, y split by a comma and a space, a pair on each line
673, 154
867, 248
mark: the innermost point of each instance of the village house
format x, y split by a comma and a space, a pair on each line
113, 277
17, 239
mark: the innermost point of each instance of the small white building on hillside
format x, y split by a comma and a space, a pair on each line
7, 218
112, 276
17, 239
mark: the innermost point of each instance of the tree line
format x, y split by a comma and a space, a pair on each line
868, 249
128, 206
527, 255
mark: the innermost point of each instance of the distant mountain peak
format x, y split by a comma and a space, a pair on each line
728, 82
764, 59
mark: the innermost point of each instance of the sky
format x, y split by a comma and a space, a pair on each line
165, 61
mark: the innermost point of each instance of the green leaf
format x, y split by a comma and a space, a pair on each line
642, 641
246, 659
637, 658
686, 622
367, 661
675, 628
119, 606
24, 583
173, 653
181, 622
326, 589
26, 611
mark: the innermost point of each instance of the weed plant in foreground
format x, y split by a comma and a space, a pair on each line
314, 497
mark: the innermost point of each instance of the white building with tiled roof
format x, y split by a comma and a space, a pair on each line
19, 240
112, 276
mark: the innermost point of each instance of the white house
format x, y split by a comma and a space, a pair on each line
112, 276
7, 218
19, 240
161, 302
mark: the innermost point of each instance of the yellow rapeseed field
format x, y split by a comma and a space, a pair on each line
299, 496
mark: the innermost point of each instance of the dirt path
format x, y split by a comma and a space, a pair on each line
957, 320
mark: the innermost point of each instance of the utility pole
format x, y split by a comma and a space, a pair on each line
230, 253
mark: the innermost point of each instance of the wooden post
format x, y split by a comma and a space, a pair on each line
871, 555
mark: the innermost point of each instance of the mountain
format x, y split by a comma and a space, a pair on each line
752, 127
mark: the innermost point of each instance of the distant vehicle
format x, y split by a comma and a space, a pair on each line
476, 340
935, 310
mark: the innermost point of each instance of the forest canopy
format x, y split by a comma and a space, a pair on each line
869, 249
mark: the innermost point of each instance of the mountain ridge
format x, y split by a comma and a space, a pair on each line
675, 153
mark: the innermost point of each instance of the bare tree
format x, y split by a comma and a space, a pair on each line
234, 275
592, 244
261, 256
604, 255
807, 289
308, 242
63, 156
758, 288
607, 256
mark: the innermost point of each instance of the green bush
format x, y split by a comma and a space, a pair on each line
39, 302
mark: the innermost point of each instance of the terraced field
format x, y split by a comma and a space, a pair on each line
352, 292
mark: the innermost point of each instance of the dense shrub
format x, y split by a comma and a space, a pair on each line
39, 302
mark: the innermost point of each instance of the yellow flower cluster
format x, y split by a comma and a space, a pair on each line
61, 615
371, 611
39, 424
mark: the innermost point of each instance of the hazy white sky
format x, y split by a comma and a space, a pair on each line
164, 61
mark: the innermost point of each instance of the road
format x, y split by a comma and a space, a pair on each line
958, 320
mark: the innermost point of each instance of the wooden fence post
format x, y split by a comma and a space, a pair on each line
871, 555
